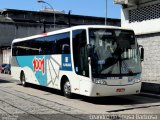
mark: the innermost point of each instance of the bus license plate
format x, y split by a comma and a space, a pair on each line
120, 90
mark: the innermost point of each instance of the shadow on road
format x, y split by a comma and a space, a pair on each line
5, 81
111, 100
42, 88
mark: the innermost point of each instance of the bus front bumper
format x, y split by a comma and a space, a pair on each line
97, 90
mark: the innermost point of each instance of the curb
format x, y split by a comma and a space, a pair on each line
151, 95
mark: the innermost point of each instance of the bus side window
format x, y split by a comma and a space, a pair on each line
63, 43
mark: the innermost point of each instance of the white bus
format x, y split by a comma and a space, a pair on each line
86, 60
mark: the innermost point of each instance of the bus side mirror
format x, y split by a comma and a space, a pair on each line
141, 52
65, 49
89, 50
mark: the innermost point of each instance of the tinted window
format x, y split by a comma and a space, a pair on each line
80, 52
62, 43
54, 44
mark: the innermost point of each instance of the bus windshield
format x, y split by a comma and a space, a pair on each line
114, 53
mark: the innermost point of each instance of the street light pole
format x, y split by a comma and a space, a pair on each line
69, 18
106, 13
41, 1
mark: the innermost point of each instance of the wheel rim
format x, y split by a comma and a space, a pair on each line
23, 79
67, 88
23, 82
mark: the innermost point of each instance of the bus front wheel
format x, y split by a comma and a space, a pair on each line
67, 89
23, 80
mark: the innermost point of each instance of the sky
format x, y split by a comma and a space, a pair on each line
78, 7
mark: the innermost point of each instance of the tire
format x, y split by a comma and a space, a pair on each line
67, 89
23, 80
9, 72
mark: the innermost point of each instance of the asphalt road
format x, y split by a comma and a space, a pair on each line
39, 103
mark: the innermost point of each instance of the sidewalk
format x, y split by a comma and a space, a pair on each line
7, 77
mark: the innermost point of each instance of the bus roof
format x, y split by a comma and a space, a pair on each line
66, 30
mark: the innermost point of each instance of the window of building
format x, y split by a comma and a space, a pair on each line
144, 13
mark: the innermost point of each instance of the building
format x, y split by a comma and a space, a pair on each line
21, 23
143, 16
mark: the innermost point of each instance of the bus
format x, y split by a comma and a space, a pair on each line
89, 60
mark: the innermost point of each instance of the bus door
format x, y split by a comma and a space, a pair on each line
80, 57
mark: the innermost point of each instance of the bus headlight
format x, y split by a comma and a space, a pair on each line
99, 81
137, 80
134, 79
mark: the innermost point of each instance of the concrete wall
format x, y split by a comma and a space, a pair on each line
6, 56
10, 31
151, 63
7, 33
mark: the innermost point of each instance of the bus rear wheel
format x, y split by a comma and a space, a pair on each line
67, 89
23, 80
